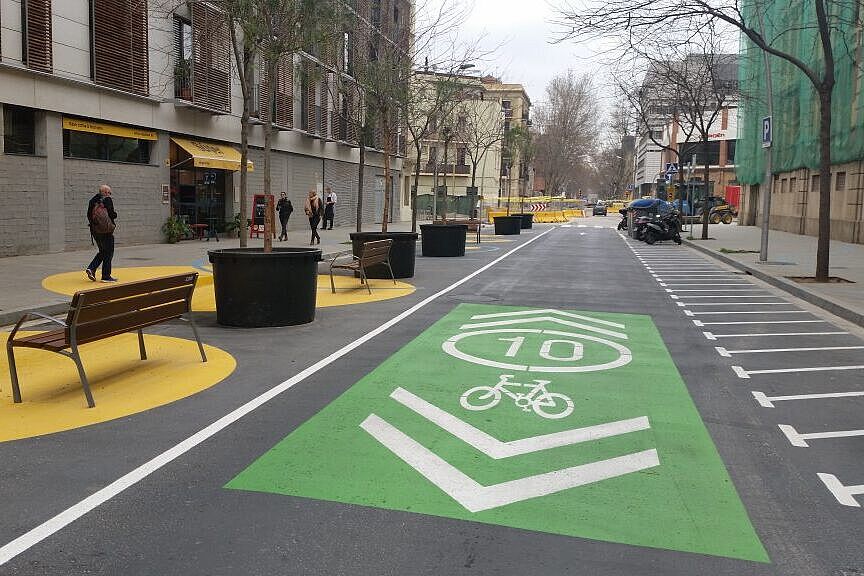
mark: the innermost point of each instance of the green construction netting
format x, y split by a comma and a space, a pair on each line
791, 27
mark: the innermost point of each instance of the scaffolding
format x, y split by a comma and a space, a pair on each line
790, 26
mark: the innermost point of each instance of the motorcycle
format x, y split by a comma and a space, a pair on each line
640, 225
622, 225
663, 227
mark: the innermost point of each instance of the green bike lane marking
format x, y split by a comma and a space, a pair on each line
571, 423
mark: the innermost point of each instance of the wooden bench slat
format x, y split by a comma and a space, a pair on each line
97, 295
110, 308
55, 339
111, 326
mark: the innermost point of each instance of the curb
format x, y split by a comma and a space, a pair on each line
794, 289
9, 317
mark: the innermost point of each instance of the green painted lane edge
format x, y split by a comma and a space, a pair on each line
686, 502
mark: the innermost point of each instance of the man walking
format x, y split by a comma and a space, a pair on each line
101, 217
329, 207
285, 209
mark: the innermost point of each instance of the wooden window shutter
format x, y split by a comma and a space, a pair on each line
309, 96
211, 58
37, 34
120, 45
325, 108
351, 118
285, 92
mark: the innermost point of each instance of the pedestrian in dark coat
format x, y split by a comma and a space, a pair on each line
285, 209
101, 218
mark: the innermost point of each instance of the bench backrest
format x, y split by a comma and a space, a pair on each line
375, 252
102, 312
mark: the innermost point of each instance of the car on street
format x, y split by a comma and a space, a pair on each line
599, 209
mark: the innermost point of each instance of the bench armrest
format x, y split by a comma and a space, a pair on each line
33, 315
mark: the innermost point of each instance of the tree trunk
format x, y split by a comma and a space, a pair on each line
268, 152
385, 130
361, 169
706, 211
244, 145
419, 148
823, 247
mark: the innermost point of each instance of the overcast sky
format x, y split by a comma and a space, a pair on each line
524, 31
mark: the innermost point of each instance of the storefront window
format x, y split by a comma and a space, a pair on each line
91, 146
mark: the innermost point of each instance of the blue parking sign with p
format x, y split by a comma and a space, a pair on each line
767, 132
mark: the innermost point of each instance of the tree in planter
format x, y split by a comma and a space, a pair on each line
520, 140
286, 27
829, 25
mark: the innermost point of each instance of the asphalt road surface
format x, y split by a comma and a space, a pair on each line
570, 402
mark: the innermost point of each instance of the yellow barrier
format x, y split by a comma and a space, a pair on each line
547, 217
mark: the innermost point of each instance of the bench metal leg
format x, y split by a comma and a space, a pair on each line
363, 278
76, 357
13, 373
141, 349
332, 284
390, 268
197, 338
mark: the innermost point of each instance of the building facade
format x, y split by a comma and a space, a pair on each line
515, 173
148, 101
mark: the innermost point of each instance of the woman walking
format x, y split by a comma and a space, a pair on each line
312, 207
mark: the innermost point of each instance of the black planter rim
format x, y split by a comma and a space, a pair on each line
400, 235
287, 252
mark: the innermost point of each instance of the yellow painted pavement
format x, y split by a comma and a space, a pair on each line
121, 382
348, 289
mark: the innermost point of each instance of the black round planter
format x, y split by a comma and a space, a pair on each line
443, 240
256, 290
527, 220
508, 225
403, 253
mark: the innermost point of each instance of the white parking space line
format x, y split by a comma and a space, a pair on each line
844, 494
691, 313
685, 304
712, 336
676, 297
719, 290
768, 401
800, 440
700, 323
742, 373
728, 353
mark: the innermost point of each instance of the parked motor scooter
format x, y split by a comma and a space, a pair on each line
640, 224
665, 227
622, 225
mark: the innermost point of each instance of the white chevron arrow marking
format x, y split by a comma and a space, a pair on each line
476, 497
548, 311
497, 449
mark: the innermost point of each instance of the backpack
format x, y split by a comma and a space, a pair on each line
100, 221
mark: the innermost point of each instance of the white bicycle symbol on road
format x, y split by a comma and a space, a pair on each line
552, 405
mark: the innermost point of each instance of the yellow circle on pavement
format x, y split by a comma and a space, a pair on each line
122, 383
348, 289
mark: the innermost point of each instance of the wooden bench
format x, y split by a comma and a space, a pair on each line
371, 253
104, 312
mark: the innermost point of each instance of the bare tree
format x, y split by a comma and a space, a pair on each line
480, 126
632, 23
567, 129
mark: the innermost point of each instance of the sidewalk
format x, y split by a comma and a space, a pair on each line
21, 281
791, 255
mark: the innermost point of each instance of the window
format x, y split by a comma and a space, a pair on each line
19, 130
89, 146
840, 182
433, 155
36, 37
460, 156
689, 149
730, 151
120, 56
814, 183
211, 58
183, 59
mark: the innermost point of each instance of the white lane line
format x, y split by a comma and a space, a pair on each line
768, 401
747, 373
728, 353
800, 440
706, 284
750, 312
51, 526
700, 323
844, 494
712, 336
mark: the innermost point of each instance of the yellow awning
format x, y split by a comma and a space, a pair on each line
210, 155
82, 125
